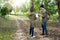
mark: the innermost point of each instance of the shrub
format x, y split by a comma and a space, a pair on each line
5, 11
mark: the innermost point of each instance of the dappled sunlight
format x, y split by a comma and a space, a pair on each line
18, 3
16, 20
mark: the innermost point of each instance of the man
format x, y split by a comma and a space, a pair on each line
32, 18
45, 17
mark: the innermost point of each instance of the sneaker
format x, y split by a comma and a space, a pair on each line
33, 36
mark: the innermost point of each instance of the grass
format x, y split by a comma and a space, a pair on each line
6, 35
7, 29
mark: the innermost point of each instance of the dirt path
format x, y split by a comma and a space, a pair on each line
19, 35
22, 32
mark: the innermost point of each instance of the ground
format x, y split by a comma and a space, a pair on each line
22, 32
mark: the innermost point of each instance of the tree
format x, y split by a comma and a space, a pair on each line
36, 5
5, 11
32, 2
58, 4
51, 6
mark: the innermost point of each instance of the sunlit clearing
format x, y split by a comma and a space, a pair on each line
19, 3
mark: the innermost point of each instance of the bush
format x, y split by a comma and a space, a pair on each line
4, 11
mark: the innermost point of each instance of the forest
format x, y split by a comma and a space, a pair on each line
15, 23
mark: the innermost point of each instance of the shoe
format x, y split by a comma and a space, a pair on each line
33, 36
42, 34
45, 36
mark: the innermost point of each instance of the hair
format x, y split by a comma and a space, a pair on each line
32, 9
42, 6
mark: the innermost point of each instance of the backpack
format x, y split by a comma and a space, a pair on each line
48, 15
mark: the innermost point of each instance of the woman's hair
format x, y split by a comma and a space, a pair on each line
42, 6
32, 9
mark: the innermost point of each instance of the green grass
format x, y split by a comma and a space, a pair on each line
6, 35
7, 29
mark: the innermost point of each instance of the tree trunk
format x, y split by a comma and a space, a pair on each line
58, 4
32, 3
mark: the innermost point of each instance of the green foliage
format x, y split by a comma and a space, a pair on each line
24, 9
5, 11
54, 18
51, 6
36, 5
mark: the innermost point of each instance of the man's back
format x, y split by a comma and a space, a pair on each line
32, 16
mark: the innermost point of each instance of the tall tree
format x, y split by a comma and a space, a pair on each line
32, 3
58, 4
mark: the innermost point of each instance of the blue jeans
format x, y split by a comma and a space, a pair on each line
44, 29
31, 31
